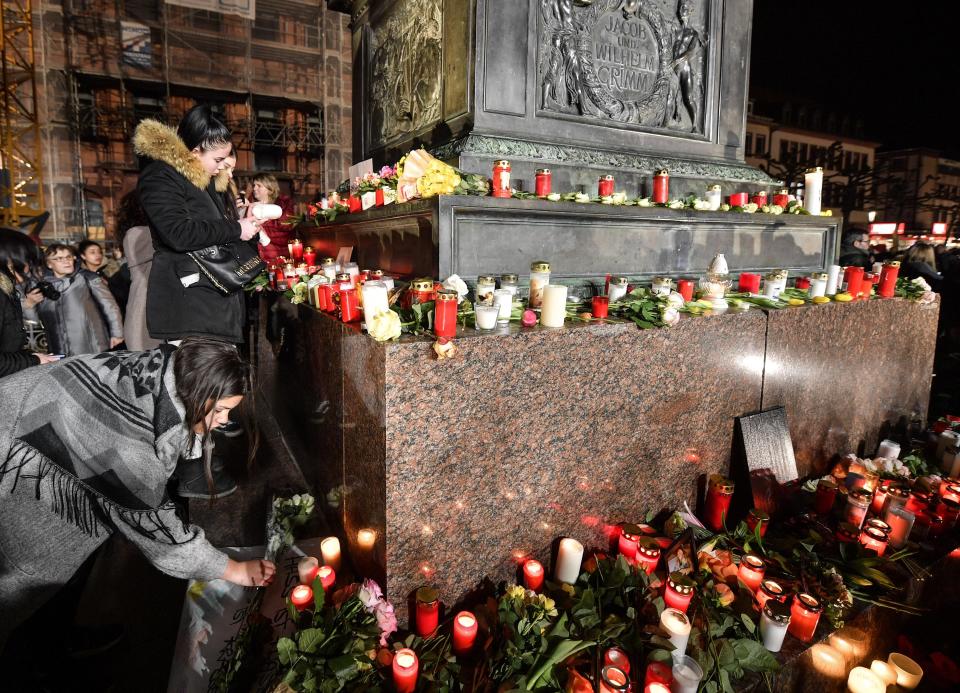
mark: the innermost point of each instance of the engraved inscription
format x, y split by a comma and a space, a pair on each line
626, 55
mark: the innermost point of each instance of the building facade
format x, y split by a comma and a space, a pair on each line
278, 73
923, 197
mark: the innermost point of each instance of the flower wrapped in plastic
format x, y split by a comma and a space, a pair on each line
421, 175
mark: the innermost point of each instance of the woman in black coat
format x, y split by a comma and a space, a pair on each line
186, 213
18, 259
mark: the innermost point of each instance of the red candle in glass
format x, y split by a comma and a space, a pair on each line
327, 577
349, 306
738, 199
501, 179
544, 182
678, 592
296, 250
309, 256
888, 279
661, 187
464, 632
751, 571
826, 496
601, 306
879, 496
853, 278
804, 616
802, 283
325, 298
685, 289
428, 611
874, 539
847, 533
613, 680
717, 504
949, 509
658, 673
782, 198
279, 276
918, 502
879, 525
656, 688
949, 490
616, 657
627, 543
354, 204
749, 282
768, 590
758, 517
648, 554
406, 666
605, 186
759, 198
445, 314
533, 575
301, 597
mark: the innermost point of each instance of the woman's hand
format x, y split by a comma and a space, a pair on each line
257, 573
115, 341
32, 298
248, 229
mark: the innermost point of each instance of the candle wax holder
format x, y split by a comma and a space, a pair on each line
678, 592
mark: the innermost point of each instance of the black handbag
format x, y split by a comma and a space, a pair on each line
229, 266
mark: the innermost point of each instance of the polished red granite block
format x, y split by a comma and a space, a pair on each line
849, 374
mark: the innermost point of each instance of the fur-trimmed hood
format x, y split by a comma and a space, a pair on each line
222, 181
6, 286
160, 142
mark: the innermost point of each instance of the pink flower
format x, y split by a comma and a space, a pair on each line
370, 595
386, 621
724, 593
387, 172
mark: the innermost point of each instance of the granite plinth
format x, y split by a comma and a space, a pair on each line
530, 434
849, 375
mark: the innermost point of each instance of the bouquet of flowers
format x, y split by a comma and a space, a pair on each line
421, 175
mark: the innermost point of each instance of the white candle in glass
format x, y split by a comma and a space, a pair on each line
901, 523
374, 301
714, 197
862, 680
774, 622
888, 449
947, 439
686, 675
617, 290
909, 672
503, 300
569, 557
554, 308
330, 549
813, 187
330, 271
486, 317
676, 626
366, 539
353, 270
833, 279
307, 569
885, 671
818, 286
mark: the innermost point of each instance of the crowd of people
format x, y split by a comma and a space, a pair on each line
144, 367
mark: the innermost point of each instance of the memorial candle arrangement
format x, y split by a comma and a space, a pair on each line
751, 571
804, 616
406, 667
464, 632
676, 628
717, 504
678, 592
428, 611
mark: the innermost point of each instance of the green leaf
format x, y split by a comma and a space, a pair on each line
556, 654
725, 681
286, 651
345, 667
748, 623
310, 639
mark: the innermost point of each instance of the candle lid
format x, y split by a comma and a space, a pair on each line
860, 495
662, 280
952, 505
376, 273
783, 191
648, 547
807, 601
543, 171
820, 276
447, 295
540, 266
606, 177
714, 187
422, 285
778, 612
662, 172
828, 484
875, 533
880, 525
343, 277
816, 169
509, 278
327, 261
619, 281
721, 483
898, 490
427, 595
892, 263
486, 279
501, 163
681, 583
677, 615
630, 530
761, 193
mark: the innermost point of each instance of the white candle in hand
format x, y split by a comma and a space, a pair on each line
569, 557
554, 309
264, 212
330, 548
676, 626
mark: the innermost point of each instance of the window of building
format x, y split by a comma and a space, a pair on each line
144, 10
206, 21
86, 116
748, 147
266, 27
783, 150
802, 153
761, 148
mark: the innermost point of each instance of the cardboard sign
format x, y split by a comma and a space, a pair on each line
357, 171
768, 452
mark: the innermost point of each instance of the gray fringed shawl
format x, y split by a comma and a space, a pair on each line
87, 446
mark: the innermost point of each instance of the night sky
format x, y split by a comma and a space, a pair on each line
897, 66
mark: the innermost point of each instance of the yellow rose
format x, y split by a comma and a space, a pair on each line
548, 603
516, 592
385, 325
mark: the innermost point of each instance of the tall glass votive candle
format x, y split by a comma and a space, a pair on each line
879, 496
826, 496
374, 301
751, 571
897, 495
687, 674
818, 284
858, 501
349, 305
918, 501
804, 616
874, 539
486, 284
539, 278
758, 518
428, 611
847, 533
648, 554
600, 306
888, 279
909, 672
405, 670
769, 590
618, 288
445, 314
774, 622
569, 558
627, 542
714, 197
328, 577
717, 504
613, 680
301, 597
676, 628
533, 575
833, 279
616, 657
307, 569
510, 283
658, 673
503, 300
464, 633
554, 308
685, 288
678, 592
749, 282
486, 316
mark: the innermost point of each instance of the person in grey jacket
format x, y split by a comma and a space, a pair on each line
86, 318
138, 248
87, 446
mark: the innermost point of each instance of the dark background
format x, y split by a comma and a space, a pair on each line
896, 66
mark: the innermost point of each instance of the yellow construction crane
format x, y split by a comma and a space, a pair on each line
21, 165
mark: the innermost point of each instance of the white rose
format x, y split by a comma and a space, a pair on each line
670, 316
554, 197
750, 207
922, 283
455, 283
582, 197
701, 205
775, 209
607, 200
385, 325
644, 202
619, 198
675, 204
675, 300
